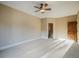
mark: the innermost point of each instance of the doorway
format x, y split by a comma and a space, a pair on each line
72, 30
50, 30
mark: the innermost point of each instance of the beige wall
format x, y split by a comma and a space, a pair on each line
78, 26
44, 28
60, 26
16, 26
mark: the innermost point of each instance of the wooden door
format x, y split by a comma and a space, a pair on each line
50, 30
72, 30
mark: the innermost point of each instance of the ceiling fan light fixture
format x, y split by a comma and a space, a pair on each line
42, 10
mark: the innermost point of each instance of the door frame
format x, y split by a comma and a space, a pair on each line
50, 25
53, 29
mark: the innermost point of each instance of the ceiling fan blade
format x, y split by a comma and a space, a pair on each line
46, 4
36, 7
41, 5
48, 9
37, 10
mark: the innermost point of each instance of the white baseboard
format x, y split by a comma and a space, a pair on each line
16, 44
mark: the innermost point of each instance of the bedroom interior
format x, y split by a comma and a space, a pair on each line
43, 29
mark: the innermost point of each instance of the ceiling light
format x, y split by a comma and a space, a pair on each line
42, 10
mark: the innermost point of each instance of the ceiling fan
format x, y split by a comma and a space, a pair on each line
42, 8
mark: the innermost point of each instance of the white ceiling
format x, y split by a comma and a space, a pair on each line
59, 8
